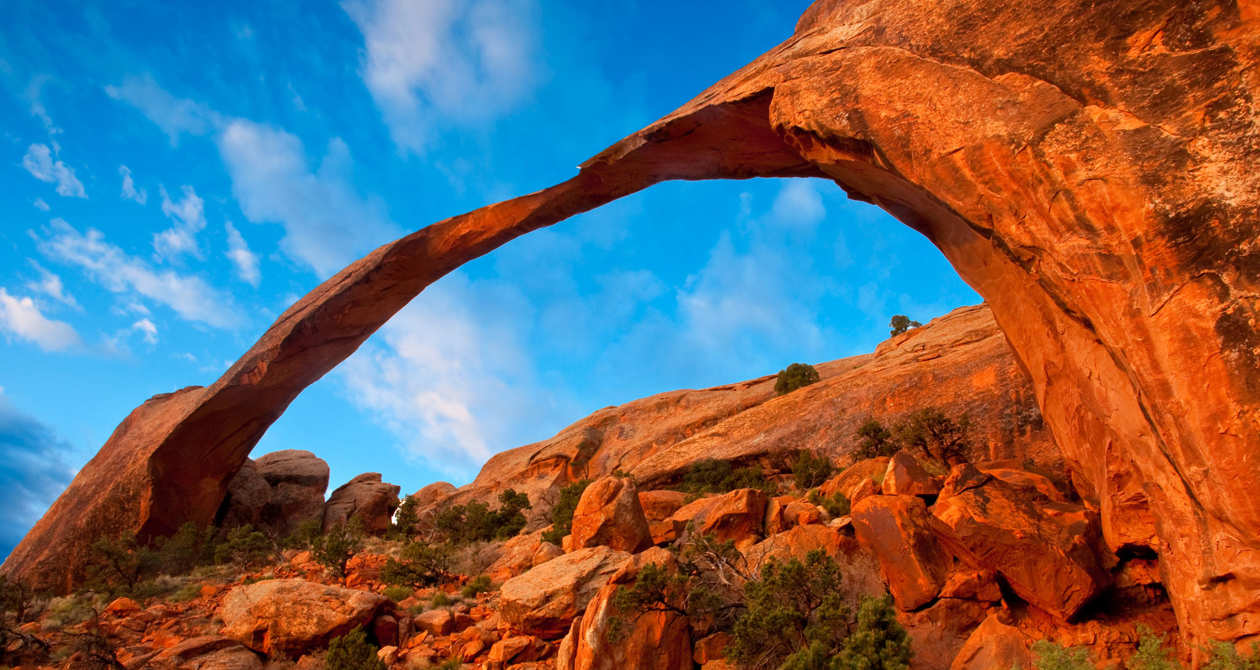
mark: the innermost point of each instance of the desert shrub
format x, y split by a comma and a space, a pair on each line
711, 475
419, 565
1151, 654
119, 563
878, 641
440, 599
562, 511
17, 600
94, 651
305, 535
1050, 656
791, 606
837, 505
186, 592
809, 470
72, 609
244, 546
335, 548
398, 593
450, 664
476, 522
476, 587
795, 376
874, 440
352, 651
405, 519
190, 547
900, 324
939, 438
1223, 656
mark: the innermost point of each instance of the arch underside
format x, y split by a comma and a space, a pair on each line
1091, 214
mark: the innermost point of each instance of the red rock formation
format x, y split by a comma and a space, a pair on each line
546, 599
1087, 167
899, 531
288, 617
365, 497
609, 514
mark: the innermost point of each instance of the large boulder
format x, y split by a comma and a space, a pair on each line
248, 495
521, 553
902, 535
209, 652
993, 644
289, 617
905, 476
299, 480
546, 599
658, 506
365, 497
609, 514
739, 515
644, 641
1047, 550
867, 469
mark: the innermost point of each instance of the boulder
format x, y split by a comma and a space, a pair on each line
648, 641
658, 506
545, 600
366, 497
433, 493
867, 469
738, 515
901, 533
797, 542
289, 617
248, 495
521, 553
905, 476
299, 480
609, 514
1046, 550
514, 650
993, 644
211, 652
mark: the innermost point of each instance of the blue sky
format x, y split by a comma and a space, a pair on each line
173, 177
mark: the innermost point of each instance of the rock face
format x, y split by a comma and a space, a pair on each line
366, 497
609, 514
1087, 167
288, 617
279, 491
545, 600
899, 531
651, 641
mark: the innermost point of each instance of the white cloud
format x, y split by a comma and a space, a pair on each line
246, 261
189, 218
798, 204
190, 297
449, 375
50, 285
174, 116
441, 62
147, 329
327, 223
41, 205
21, 317
129, 190
33, 94
40, 163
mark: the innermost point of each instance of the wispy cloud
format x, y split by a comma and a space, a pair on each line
238, 252
41, 205
129, 190
39, 161
190, 297
147, 329
175, 116
22, 318
444, 62
50, 285
33, 472
189, 218
326, 221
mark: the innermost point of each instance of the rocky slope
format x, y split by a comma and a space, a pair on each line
1088, 167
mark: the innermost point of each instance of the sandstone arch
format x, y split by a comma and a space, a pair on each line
1088, 167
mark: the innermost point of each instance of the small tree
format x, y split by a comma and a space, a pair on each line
1151, 653
420, 565
710, 475
874, 440
1050, 656
1223, 656
305, 535
191, 546
837, 504
562, 511
16, 599
119, 563
405, 519
335, 548
245, 547
936, 435
878, 641
352, 651
476, 587
809, 470
795, 376
900, 324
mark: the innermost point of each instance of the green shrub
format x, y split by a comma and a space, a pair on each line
305, 535
711, 475
440, 599
186, 592
791, 606
246, 547
939, 438
352, 651
70, 610
190, 547
16, 600
119, 563
1223, 656
1151, 653
450, 664
809, 470
476, 587
418, 566
1050, 656
562, 511
335, 548
874, 440
405, 520
837, 505
795, 376
900, 324
398, 593
476, 522
878, 641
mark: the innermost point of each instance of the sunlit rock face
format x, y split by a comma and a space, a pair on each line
1088, 167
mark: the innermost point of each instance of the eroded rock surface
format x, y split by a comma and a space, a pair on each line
366, 497
285, 618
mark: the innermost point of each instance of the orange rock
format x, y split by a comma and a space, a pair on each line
738, 515
899, 531
122, 607
868, 469
609, 514
516, 649
440, 621
288, 617
993, 644
658, 507
363, 570
649, 641
210, 651
544, 600
711, 648
905, 476
521, 553
796, 543
365, 497
863, 489
1046, 550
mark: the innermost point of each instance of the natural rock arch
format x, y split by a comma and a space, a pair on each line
1088, 167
